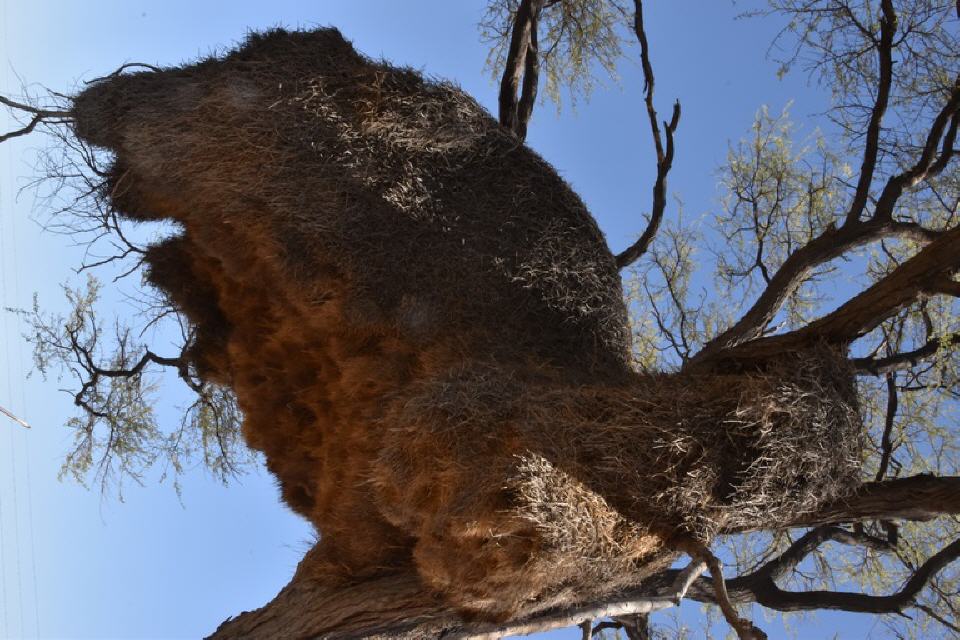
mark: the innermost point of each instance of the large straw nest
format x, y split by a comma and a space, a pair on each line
425, 330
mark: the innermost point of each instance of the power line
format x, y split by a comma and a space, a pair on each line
10, 241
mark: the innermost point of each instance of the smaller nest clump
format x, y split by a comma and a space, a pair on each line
792, 441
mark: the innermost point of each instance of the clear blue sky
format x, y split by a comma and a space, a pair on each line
75, 564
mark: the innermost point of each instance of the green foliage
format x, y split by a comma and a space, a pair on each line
576, 38
116, 434
670, 318
835, 41
778, 194
779, 190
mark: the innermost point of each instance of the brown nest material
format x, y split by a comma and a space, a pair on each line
426, 332
581, 486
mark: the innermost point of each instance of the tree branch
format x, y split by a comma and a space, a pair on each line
39, 116
522, 61
888, 27
905, 360
834, 242
664, 158
629, 605
886, 441
744, 628
831, 244
862, 313
531, 80
768, 594
943, 132
810, 541
10, 415
760, 586
921, 497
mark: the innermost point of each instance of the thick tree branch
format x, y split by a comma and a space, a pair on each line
531, 81
629, 605
921, 497
945, 286
831, 244
861, 314
888, 27
398, 605
522, 62
664, 157
393, 605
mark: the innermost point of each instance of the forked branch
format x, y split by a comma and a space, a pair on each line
937, 152
765, 592
744, 628
888, 27
760, 586
861, 314
37, 116
523, 62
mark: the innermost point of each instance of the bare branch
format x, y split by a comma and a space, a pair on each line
929, 611
22, 423
43, 113
585, 629
119, 70
768, 594
744, 628
943, 132
39, 116
906, 360
680, 583
806, 544
886, 442
760, 586
22, 131
664, 158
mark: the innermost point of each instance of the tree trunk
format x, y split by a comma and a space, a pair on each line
399, 606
